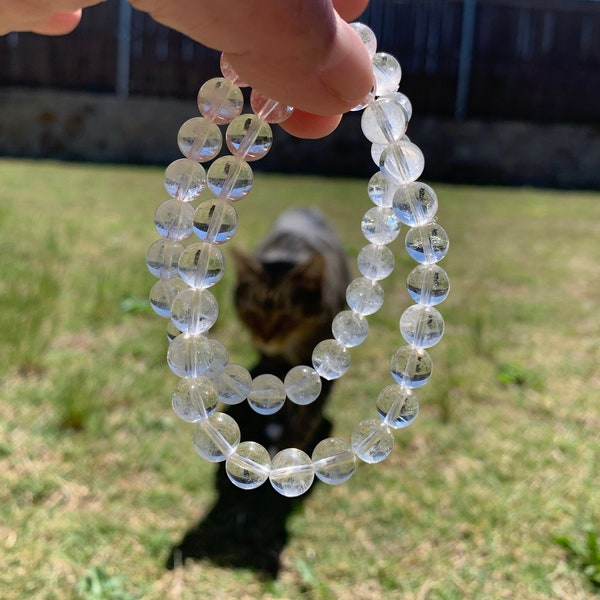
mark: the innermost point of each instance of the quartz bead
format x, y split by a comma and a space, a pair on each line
249, 466
415, 204
185, 179
364, 296
381, 190
249, 137
228, 72
349, 328
372, 441
163, 293
199, 139
219, 360
411, 366
330, 359
387, 72
427, 244
292, 472
233, 384
215, 221
367, 37
397, 406
302, 385
194, 311
217, 437
380, 225
384, 121
201, 265
334, 461
422, 326
267, 394
428, 284
269, 110
162, 258
189, 355
195, 399
220, 100
375, 262
405, 103
403, 162
172, 331
174, 219
230, 177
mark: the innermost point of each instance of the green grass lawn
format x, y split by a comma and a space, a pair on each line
98, 479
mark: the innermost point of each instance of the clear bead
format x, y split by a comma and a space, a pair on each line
215, 221
406, 104
397, 406
427, 244
367, 37
267, 394
174, 219
292, 472
302, 385
375, 262
380, 225
372, 441
428, 284
220, 359
333, 461
217, 437
249, 137
387, 72
229, 72
233, 383
381, 190
220, 100
330, 359
269, 110
377, 151
415, 204
172, 331
201, 265
185, 179
249, 466
199, 139
384, 121
349, 328
163, 293
195, 399
402, 162
422, 326
162, 258
364, 296
194, 311
411, 366
189, 355
230, 177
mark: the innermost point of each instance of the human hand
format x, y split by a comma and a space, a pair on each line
301, 52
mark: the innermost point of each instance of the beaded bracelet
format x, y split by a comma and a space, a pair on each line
185, 273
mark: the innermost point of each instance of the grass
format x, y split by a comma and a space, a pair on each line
98, 479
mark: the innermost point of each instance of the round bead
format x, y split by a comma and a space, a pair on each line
267, 394
194, 311
162, 258
330, 359
185, 179
233, 384
269, 110
195, 399
403, 162
333, 461
163, 293
428, 284
375, 262
415, 204
292, 472
349, 328
384, 121
249, 466
201, 265
387, 72
380, 225
230, 177
215, 221
367, 37
372, 441
406, 104
174, 219
189, 355
397, 406
381, 190
199, 139
411, 366
219, 360
302, 385
422, 326
427, 244
220, 100
249, 137
364, 296
217, 437
172, 331
229, 72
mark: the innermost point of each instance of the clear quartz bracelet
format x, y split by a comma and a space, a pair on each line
185, 274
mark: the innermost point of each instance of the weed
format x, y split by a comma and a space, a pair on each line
586, 556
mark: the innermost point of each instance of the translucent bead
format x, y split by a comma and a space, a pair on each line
185, 179
422, 326
375, 262
269, 110
367, 37
230, 177
330, 359
302, 385
267, 394
162, 258
215, 221
220, 100
415, 204
199, 139
428, 284
233, 383
174, 219
194, 311
189, 355
381, 190
219, 360
163, 293
377, 151
406, 104
411, 366
397, 406
217, 437
364, 296
201, 265
228, 72
249, 466
349, 328
249, 137
195, 399
292, 472
384, 121
372, 441
172, 331
387, 72
380, 225
427, 244
333, 461
403, 162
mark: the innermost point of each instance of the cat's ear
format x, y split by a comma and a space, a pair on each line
246, 265
312, 270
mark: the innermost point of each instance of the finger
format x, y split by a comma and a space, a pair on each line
308, 126
350, 10
59, 23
